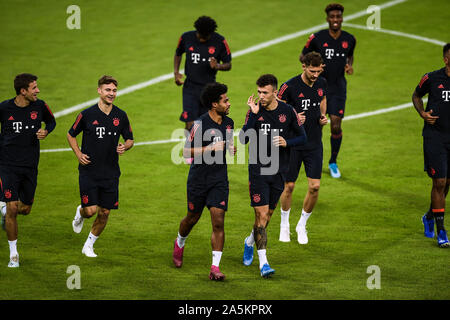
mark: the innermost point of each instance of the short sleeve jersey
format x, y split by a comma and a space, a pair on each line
334, 52
306, 99
282, 121
437, 85
209, 166
198, 54
101, 133
19, 145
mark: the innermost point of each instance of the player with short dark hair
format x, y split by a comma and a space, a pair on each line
206, 53
436, 143
99, 171
307, 94
267, 129
21, 119
336, 47
207, 183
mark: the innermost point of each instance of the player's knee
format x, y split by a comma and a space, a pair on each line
336, 129
104, 212
439, 184
314, 187
289, 187
89, 211
12, 209
24, 210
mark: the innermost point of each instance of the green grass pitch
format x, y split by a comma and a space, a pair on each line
371, 216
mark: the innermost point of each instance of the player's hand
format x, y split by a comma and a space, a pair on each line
323, 120
279, 141
232, 149
178, 78
428, 117
253, 104
213, 63
301, 117
349, 69
41, 134
121, 149
83, 159
218, 146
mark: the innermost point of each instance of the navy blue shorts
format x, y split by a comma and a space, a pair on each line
436, 158
265, 189
18, 183
336, 104
100, 192
192, 106
209, 194
312, 158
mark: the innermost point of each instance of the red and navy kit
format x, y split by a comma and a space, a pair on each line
306, 99
207, 182
20, 148
266, 175
436, 137
335, 53
197, 69
99, 180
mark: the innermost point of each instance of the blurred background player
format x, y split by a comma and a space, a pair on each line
21, 118
206, 53
266, 129
99, 171
207, 184
307, 94
436, 143
336, 48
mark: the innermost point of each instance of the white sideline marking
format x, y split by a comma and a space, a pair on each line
351, 117
254, 48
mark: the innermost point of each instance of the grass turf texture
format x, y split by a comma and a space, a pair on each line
371, 216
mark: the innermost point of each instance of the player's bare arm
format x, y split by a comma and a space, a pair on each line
83, 159
252, 102
176, 70
349, 66
41, 134
418, 105
122, 147
323, 110
214, 64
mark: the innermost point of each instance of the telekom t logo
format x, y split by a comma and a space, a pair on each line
195, 57
446, 95
265, 127
17, 126
329, 53
305, 104
100, 131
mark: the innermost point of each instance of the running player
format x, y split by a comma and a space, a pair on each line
21, 118
307, 94
267, 127
206, 53
99, 172
207, 184
336, 48
436, 143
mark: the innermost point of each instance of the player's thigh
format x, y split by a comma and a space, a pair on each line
9, 183
217, 196
436, 158
336, 104
192, 106
89, 187
259, 190
295, 163
196, 197
276, 189
27, 188
313, 160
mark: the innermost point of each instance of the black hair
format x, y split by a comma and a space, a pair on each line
446, 48
334, 6
205, 25
211, 93
267, 79
23, 80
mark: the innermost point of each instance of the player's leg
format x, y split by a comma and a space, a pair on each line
217, 242
88, 202
335, 142
438, 209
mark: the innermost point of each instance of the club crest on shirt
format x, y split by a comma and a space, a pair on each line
116, 121
211, 50
282, 118
33, 115
344, 44
320, 92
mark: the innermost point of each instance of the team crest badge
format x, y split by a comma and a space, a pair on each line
344, 44
282, 118
116, 121
191, 206
211, 50
85, 199
8, 194
33, 115
320, 92
256, 198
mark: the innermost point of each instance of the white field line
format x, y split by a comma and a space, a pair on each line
254, 48
351, 117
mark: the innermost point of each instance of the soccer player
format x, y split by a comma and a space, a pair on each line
102, 125
268, 125
436, 143
207, 183
307, 94
206, 53
336, 46
21, 119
